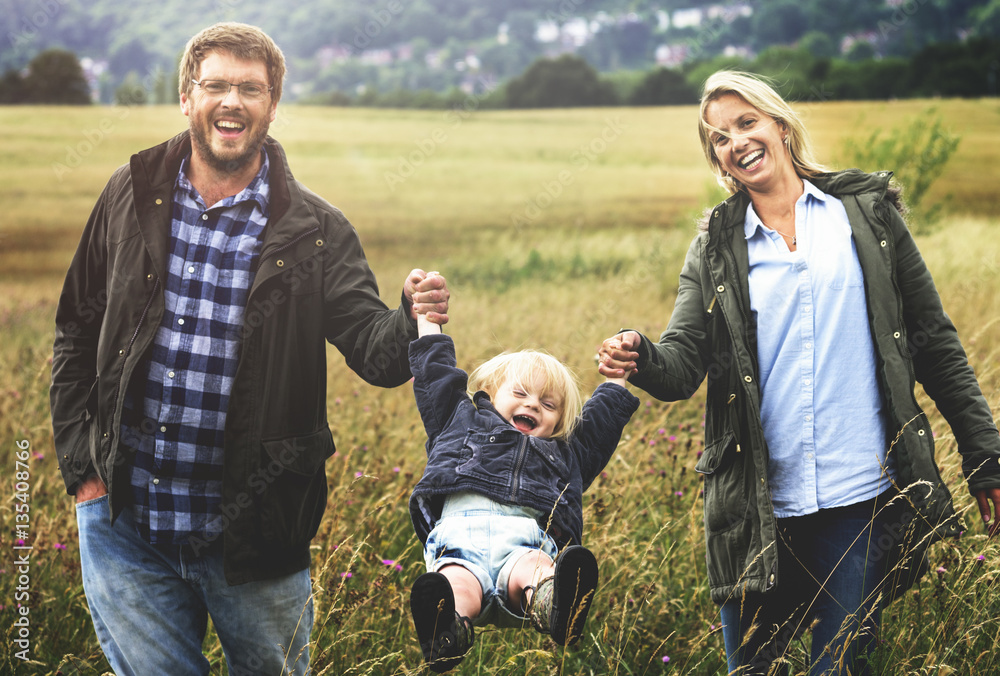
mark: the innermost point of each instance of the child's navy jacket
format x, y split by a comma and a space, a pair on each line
470, 447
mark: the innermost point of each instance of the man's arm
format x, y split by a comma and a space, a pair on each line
74, 389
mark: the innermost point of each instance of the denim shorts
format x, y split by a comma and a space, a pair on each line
487, 538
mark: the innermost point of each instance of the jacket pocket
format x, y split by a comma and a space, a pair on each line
725, 484
293, 478
488, 455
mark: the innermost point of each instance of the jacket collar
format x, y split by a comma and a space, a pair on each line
154, 172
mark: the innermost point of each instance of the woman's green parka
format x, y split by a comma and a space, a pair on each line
712, 334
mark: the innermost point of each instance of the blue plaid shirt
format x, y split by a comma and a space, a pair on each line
177, 472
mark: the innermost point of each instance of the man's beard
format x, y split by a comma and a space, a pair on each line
231, 163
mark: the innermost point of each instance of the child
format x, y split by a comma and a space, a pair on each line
502, 493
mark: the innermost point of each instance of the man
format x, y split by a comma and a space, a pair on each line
189, 376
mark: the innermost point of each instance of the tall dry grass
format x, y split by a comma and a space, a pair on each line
601, 254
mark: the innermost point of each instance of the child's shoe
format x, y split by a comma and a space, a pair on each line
445, 636
560, 604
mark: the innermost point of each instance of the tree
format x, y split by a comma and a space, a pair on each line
561, 83
663, 87
55, 76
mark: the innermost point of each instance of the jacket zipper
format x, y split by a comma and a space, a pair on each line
522, 454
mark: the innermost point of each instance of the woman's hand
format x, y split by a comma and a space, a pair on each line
617, 355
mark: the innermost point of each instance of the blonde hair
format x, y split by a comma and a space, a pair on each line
762, 96
244, 42
522, 368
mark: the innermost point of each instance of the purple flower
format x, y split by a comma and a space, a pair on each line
980, 558
941, 570
661, 431
347, 575
666, 659
358, 475
672, 437
679, 494
396, 470
61, 547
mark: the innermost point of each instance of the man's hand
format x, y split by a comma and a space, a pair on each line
991, 517
91, 489
428, 295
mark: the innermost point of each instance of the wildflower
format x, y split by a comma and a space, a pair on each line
941, 570
652, 442
393, 564
337, 401
358, 475
679, 494
39, 456
661, 431
347, 575
980, 558
61, 547
20, 542
672, 437
666, 659
396, 470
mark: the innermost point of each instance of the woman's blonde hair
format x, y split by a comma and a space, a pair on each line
523, 368
762, 96
245, 42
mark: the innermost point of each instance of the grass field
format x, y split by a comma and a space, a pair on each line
554, 228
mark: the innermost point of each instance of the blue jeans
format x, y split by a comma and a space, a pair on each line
830, 566
150, 605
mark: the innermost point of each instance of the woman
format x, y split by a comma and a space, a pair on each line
808, 307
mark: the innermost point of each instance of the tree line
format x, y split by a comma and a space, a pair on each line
966, 69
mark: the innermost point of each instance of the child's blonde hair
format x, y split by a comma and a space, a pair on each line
523, 367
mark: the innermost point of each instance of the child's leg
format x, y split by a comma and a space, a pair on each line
530, 569
466, 588
558, 596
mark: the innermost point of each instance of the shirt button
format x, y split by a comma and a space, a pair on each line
156, 482
181, 321
204, 217
190, 268
808, 346
809, 418
807, 308
748, 379
170, 375
163, 428
896, 335
807, 381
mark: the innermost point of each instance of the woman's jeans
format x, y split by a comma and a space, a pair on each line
830, 566
150, 605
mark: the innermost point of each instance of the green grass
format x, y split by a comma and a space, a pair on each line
602, 251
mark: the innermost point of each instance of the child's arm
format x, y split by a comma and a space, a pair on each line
439, 386
600, 428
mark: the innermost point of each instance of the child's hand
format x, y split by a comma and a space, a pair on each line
428, 295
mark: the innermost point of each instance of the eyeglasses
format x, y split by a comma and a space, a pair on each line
251, 91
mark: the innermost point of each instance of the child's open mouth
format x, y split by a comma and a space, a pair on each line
524, 423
